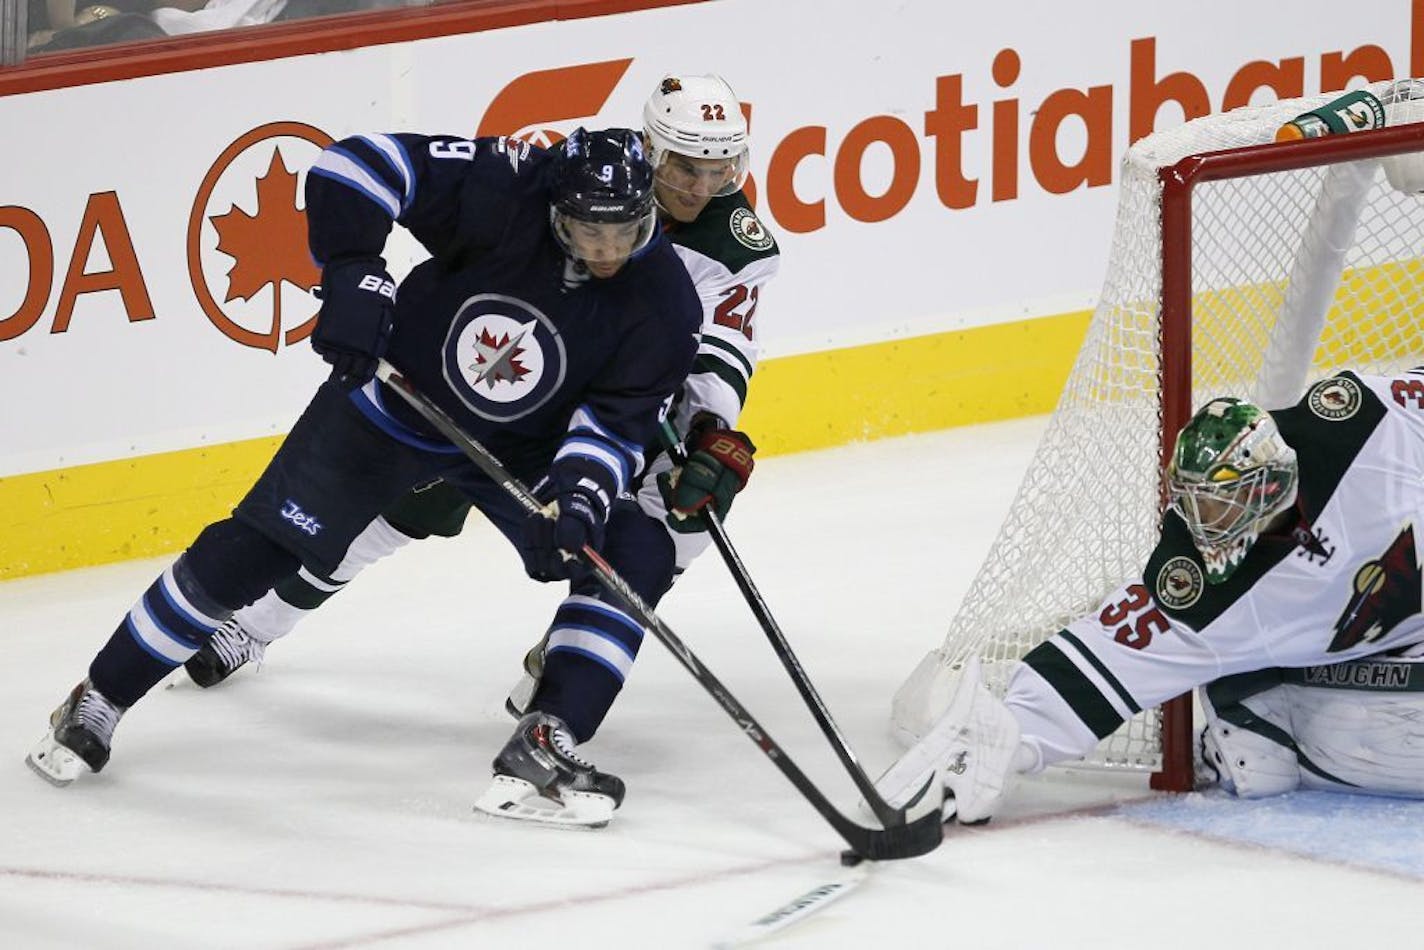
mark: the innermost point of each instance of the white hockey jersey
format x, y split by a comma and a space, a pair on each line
731, 257
1343, 583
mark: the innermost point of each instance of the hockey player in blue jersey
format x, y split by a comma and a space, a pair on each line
697, 138
552, 322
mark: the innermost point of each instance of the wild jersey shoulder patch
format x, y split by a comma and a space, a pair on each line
1179, 583
748, 230
1335, 399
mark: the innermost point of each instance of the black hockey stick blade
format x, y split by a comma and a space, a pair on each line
917, 836
902, 838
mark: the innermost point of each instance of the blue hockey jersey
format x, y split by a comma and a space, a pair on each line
527, 353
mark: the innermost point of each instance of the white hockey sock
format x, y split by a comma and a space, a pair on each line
377, 541
271, 618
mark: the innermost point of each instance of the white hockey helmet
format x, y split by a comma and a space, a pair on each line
699, 117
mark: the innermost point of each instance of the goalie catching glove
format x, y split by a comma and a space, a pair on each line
353, 328
719, 462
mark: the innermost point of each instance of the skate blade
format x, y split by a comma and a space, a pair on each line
518, 800
55, 763
181, 679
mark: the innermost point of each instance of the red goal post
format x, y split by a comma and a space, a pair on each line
1239, 266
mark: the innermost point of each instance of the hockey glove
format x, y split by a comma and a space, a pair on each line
358, 301
575, 516
719, 462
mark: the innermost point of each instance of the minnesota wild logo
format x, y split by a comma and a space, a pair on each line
1386, 591
1179, 583
748, 230
1335, 399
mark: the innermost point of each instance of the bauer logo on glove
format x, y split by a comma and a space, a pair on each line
378, 283
356, 319
719, 462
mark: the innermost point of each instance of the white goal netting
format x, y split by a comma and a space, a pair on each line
1295, 273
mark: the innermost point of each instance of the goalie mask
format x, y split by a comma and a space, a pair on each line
698, 138
1230, 474
601, 199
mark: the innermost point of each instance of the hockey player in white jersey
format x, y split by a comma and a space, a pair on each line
1290, 547
698, 144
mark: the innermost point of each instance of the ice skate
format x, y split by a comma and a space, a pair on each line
521, 697
80, 734
227, 650
971, 748
537, 777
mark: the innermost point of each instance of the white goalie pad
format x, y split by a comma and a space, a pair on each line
1251, 752
1351, 727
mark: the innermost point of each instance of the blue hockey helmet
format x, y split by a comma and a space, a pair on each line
601, 198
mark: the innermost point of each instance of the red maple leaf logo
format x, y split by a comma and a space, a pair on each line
501, 359
270, 246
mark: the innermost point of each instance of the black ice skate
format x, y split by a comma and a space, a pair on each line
227, 650
80, 733
537, 777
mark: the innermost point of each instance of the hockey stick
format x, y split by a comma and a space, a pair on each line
885, 812
904, 839
797, 909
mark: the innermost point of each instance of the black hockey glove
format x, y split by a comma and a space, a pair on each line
719, 462
577, 517
358, 301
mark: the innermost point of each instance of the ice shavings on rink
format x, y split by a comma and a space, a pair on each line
1366, 832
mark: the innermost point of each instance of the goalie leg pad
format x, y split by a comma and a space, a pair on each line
514, 798
1246, 745
1360, 742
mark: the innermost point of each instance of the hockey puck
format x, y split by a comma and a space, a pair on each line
850, 859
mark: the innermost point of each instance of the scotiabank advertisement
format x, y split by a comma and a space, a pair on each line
926, 166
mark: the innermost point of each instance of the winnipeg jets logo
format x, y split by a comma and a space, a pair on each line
293, 512
503, 357
497, 358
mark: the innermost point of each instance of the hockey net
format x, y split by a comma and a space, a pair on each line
1240, 267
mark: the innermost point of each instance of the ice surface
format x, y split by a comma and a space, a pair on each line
324, 800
